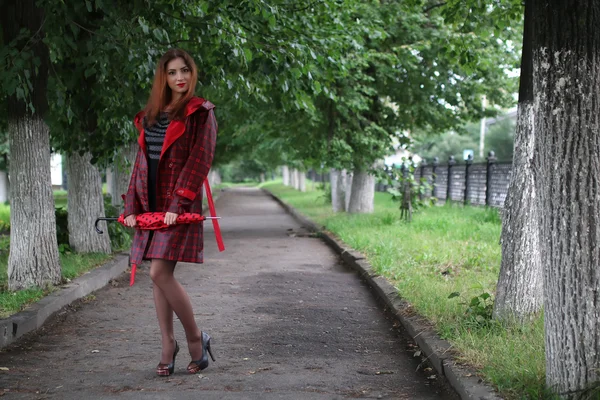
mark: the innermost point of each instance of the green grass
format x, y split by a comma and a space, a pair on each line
444, 250
225, 185
72, 266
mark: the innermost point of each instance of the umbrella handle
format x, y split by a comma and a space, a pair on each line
108, 219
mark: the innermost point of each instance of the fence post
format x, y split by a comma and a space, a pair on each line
469, 162
434, 176
451, 162
423, 164
491, 160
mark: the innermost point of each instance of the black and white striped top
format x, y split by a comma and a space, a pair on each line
155, 136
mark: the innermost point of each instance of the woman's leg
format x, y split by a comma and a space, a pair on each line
161, 272
164, 313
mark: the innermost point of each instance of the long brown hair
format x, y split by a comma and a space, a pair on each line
161, 95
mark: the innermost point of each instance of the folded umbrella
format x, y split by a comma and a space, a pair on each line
156, 221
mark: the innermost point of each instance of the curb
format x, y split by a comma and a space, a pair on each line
35, 316
23, 322
462, 379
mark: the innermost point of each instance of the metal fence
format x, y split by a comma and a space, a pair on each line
467, 182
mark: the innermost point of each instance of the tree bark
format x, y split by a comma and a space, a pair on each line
301, 181
109, 182
4, 187
519, 293
363, 193
567, 116
33, 259
347, 188
85, 204
285, 171
262, 177
338, 191
294, 178
121, 172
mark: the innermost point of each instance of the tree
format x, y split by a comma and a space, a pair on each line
519, 292
566, 72
33, 259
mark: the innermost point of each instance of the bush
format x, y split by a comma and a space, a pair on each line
120, 236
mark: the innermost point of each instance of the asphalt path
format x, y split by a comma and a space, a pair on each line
288, 321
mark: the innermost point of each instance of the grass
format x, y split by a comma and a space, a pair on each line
444, 250
72, 266
225, 185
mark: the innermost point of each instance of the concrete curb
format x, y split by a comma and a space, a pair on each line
21, 323
464, 380
35, 316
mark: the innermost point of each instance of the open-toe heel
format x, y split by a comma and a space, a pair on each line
168, 369
196, 366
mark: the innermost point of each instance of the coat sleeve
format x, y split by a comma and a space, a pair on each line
194, 172
132, 203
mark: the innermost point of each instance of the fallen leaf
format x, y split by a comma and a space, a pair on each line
417, 353
4, 369
95, 351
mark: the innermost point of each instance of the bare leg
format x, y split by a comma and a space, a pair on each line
161, 272
164, 313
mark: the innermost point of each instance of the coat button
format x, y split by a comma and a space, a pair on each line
171, 165
168, 194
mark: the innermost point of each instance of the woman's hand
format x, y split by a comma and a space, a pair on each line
131, 221
170, 218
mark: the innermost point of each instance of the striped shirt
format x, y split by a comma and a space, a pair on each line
155, 137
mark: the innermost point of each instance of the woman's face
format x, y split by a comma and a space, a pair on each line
178, 76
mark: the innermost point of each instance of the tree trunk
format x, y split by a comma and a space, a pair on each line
519, 293
362, 194
85, 204
293, 178
262, 177
347, 188
567, 118
33, 259
4, 187
214, 177
301, 181
285, 172
338, 191
121, 172
109, 182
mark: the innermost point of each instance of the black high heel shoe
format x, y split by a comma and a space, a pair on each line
196, 366
168, 369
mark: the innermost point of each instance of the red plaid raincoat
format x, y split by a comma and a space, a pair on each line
185, 160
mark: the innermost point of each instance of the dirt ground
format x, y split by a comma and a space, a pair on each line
288, 321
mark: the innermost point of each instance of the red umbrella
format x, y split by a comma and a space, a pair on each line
155, 221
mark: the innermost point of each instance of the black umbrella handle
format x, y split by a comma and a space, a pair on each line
107, 219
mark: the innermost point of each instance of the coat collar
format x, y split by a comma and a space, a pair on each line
176, 128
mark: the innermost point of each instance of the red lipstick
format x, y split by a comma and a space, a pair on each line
181, 84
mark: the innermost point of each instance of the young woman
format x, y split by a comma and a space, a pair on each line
177, 142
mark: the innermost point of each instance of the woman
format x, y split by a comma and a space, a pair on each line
177, 142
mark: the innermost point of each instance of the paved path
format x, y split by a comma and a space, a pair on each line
288, 322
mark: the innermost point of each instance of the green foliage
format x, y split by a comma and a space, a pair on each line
120, 236
62, 230
327, 196
403, 184
499, 138
479, 308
